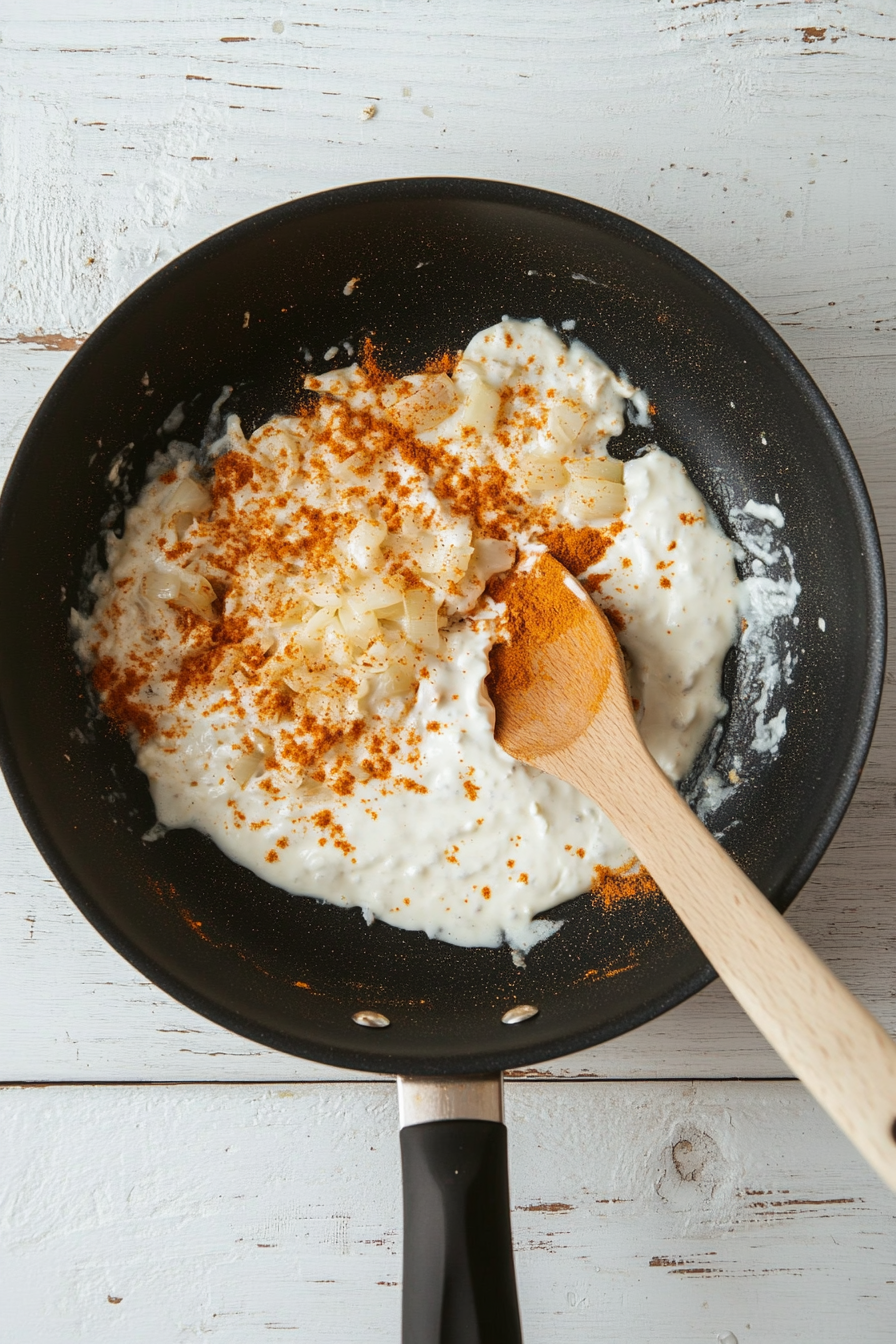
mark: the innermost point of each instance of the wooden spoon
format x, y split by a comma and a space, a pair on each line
562, 704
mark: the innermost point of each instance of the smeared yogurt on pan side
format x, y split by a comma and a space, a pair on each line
295, 630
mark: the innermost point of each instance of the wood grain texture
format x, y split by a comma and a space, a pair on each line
563, 704
758, 137
753, 135
641, 1212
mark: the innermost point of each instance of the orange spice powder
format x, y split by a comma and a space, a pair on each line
609, 886
481, 492
538, 607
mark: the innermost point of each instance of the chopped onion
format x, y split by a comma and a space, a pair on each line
446, 553
376, 656
481, 407
374, 595
315, 626
543, 471
421, 549
182, 522
246, 767
431, 398
295, 676
421, 619
309, 644
361, 627
195, 593
350, 467
335, 646
187, 501
595, 469
296, 615
565, 423
161, 585
364, 542
326, 599
595, 499
188, 496
397, 679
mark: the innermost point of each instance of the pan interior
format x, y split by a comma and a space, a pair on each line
437, 261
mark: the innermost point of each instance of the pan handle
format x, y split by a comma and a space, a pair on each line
459, 1283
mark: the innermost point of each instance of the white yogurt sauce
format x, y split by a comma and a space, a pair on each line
446, 834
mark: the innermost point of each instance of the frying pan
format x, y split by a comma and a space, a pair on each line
255, 307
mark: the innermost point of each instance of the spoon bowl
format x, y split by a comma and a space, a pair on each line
550, 680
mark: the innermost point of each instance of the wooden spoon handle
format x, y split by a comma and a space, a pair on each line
833, 1044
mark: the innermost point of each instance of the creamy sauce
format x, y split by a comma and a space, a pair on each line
679, 595
230, 663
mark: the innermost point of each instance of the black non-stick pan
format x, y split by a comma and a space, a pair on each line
437, 259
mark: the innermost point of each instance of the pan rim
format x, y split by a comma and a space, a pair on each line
555, 204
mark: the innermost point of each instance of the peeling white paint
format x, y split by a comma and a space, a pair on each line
172, 1213
131, 141
136, 1215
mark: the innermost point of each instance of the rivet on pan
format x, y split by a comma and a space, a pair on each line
521, 1012
366, 1018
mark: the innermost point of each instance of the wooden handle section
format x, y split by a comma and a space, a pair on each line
833, 1044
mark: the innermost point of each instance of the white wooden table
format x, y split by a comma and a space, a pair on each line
164, 1181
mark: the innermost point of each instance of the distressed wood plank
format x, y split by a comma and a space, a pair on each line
640, 1212
753, 136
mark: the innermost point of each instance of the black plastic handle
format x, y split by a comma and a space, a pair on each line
459, 1284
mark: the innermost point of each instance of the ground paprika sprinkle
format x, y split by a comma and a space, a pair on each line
302, 594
